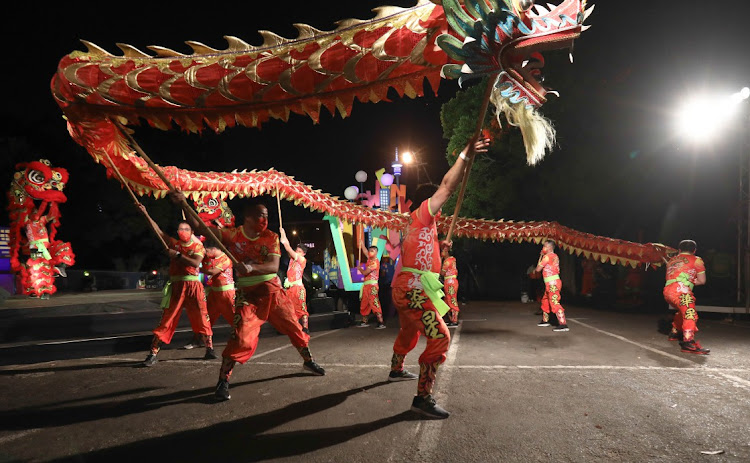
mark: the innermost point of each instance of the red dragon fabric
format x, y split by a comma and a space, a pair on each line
248, 85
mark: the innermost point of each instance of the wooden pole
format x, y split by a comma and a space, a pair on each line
132, 195
470, 162
278, 204
185, 205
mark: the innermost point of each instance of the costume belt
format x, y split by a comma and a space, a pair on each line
551, 278
450, 276
220, 288
366, 282
41, 247
683, 278
289, 284
166, 293
432, 287
245, 282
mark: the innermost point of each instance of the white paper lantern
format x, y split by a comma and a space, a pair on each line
351, 193
386, 180
361, 176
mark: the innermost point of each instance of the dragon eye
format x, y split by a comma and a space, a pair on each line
213, 203
524, 5
36, 177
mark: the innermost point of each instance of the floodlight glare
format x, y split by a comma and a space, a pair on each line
703, 118
408, 158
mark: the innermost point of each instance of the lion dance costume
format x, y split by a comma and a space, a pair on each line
33, 228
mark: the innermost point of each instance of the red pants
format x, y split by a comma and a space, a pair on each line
370, 301
418, 316
551, 301
686, 318
220, 304
254, 306
190, 295
297, 295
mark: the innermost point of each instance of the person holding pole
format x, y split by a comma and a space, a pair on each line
184, 289
549, 265
417, 291
449, 272
259, 297
295, 289
369, 293
684, 272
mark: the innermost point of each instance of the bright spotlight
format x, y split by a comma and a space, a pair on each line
703, 118
407, 157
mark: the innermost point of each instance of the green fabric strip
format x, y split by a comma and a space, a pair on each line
166, 292
289, 284
683, 278
551, 278
244, 282
432, 287
367, 282
219, 288
41, 247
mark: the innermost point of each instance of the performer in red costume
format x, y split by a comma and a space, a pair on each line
295, 290
369, 293
549, 265
260, 297
184, 289
220, 284
417, 292
449, 272
685, 271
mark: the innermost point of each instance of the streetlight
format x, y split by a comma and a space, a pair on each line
699, 121
396, 165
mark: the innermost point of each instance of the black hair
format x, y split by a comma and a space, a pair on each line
186, 223
373, 247
210, 243
303, 247
687, 246
551, 243
250, 206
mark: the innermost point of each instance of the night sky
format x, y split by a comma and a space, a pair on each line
639, 60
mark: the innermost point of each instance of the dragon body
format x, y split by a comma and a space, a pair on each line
248, 85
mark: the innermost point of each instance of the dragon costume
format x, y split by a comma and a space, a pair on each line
248, 85
35, 255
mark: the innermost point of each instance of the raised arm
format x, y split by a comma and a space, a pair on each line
285, 242
153, 224
452, 178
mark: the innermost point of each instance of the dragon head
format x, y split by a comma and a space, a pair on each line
217, 210
39, 181
505, 39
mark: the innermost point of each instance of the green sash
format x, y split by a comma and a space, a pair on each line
41, 247
219, 288
288, 284
244, 282
683, 278
432, 287
166, 293
551, 278
366, 282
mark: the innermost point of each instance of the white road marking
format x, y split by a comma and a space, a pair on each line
18, 435
624, 339
286, 346
430, 430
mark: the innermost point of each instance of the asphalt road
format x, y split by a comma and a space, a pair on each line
611, 389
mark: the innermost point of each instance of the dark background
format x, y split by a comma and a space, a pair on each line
632, 71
